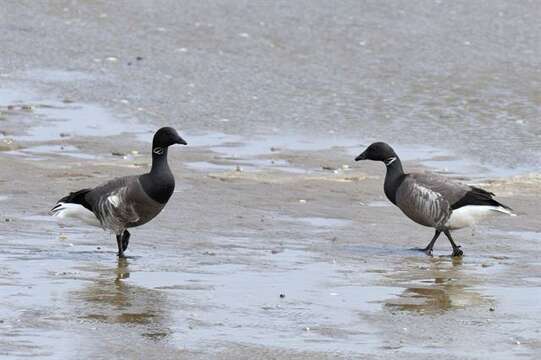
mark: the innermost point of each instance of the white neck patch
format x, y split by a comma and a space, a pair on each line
158, 150
389, 161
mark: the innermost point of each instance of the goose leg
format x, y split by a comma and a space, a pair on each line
456, 248
430, 246
125, 240
119, 244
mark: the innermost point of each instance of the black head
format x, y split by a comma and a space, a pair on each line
378, 151
166, 136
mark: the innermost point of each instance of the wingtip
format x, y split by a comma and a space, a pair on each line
55, 209
507, 210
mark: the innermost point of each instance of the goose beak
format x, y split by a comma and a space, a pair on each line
361, 157
181, 141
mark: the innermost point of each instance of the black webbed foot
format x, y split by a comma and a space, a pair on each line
456, 248
428, 249
457, 252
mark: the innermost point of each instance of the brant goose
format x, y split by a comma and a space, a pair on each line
128, 201
432, 200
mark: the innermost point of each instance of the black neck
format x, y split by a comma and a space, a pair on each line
159, 183
393, 178
159, 160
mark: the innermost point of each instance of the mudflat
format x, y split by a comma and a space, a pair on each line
254, 259
275, 242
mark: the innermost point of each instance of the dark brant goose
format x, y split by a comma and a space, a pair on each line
128, 201
432, 200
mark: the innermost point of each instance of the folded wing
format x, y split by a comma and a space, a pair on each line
422, 203
110, 203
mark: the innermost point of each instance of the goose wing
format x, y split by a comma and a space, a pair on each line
450, 190
112, 205
427, 198
456, 193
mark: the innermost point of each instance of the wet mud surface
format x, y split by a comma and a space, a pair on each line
275, 243
274, 250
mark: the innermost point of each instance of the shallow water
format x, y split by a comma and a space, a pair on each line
63, 280
246, 165
461, 77
47, 118
50, 119
249, 151
65, 150
257, 314
290, 91
316, 223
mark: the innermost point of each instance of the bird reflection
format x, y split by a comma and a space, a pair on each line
122, 271
112, 299
440, 285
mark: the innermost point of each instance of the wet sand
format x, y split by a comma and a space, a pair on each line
204, 279
258, 212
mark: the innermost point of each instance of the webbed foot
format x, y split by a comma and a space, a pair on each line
457, 252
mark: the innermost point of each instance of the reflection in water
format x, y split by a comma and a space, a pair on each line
440, 285
113, 300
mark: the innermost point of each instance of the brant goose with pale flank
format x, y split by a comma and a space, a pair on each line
432, 200
128, 201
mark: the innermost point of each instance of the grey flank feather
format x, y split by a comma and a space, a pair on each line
111, 205
427, 198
